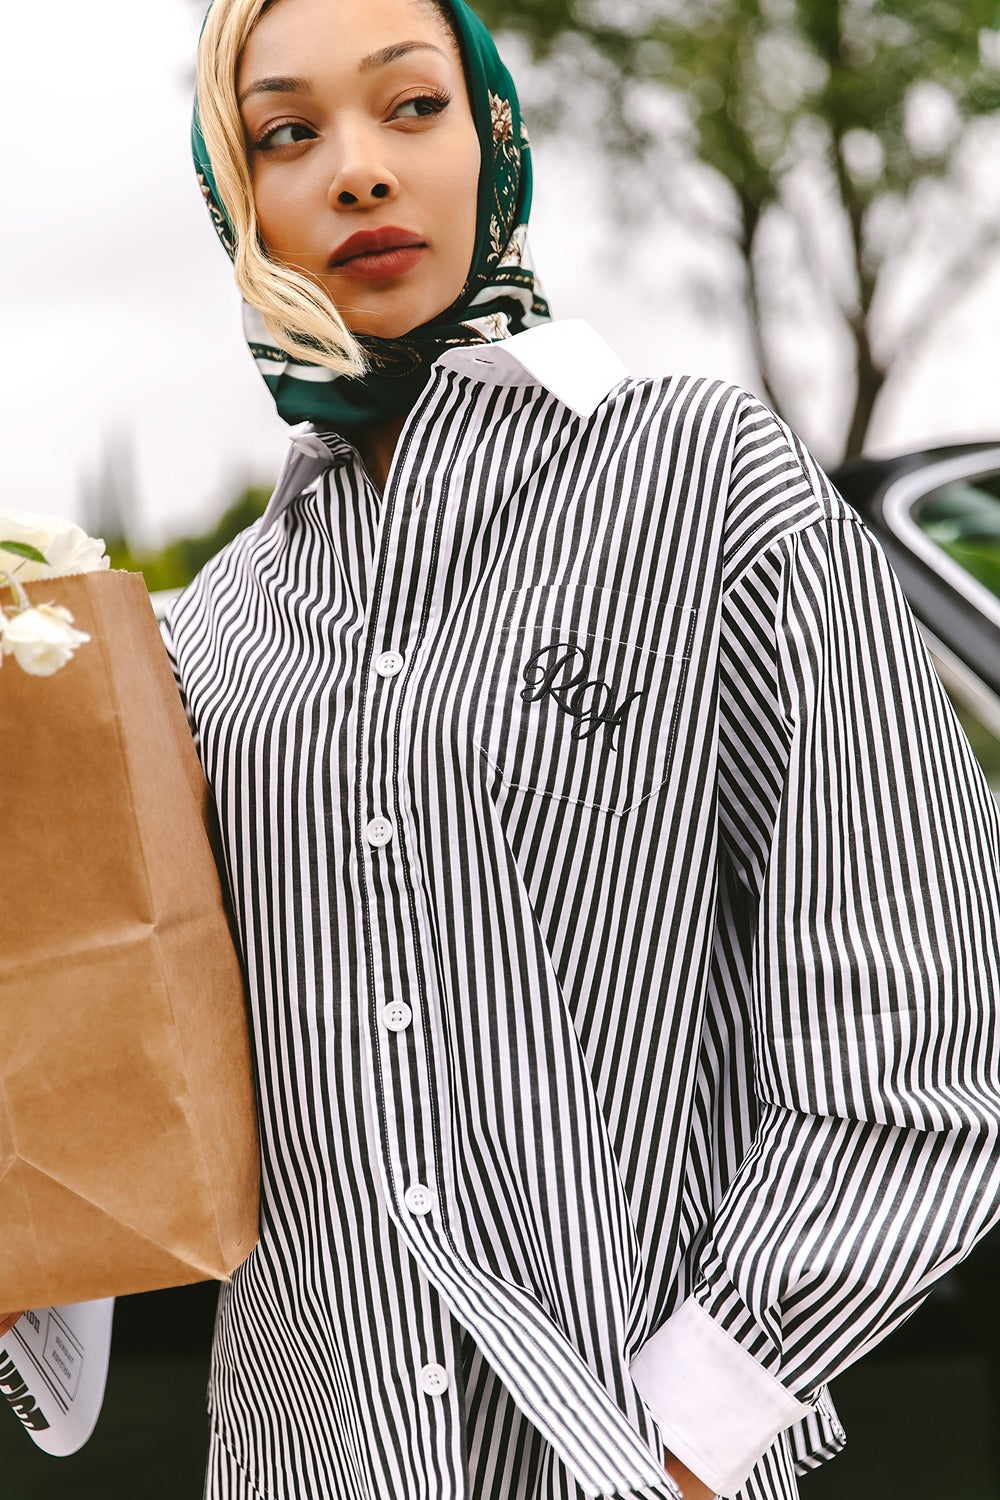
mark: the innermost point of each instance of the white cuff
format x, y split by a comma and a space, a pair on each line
717, 1409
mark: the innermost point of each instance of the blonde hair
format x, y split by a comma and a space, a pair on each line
300, 317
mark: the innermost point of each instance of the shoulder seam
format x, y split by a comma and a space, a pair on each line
826, 518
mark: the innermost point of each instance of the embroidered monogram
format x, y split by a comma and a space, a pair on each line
559, 671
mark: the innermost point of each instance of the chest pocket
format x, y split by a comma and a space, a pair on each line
584, 694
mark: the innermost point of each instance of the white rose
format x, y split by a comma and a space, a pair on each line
66, 547
41, 640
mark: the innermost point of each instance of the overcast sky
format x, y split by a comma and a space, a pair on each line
121, 324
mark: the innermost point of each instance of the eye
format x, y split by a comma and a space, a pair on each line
287, 133
421, 107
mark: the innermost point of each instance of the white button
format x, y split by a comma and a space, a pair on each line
434, 1379
388, 664
379, 832
418, 1199
397, 1016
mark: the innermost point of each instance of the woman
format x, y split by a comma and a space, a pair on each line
617, 892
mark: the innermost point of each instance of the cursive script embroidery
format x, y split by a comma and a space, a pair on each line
560, 672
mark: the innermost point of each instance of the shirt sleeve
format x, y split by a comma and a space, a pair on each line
167, 636
865, 843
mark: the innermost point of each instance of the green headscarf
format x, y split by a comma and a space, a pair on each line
500, 297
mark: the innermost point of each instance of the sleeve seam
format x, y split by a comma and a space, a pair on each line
828, 518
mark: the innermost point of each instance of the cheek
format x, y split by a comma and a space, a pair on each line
279, 214
269, 216
450, 188
463, 195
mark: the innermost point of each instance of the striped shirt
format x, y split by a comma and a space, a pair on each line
619, 902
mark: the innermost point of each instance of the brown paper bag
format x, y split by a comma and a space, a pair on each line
128, 1147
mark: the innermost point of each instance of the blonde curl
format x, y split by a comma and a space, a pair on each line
297, 313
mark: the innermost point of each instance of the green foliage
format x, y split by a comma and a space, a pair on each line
177, 563
767, 88
964, 519
751, 71
981, 559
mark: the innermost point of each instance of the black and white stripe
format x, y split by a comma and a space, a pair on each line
699, 1009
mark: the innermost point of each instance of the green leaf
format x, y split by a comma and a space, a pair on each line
23, 549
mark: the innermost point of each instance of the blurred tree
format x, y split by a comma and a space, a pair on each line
108, 500
850, 136
176, 564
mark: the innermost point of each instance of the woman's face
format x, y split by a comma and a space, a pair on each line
363, 155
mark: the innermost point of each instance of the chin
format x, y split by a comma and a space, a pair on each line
389, 327
396, 322
386, 330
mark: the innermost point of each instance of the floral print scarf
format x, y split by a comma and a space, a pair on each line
501, 296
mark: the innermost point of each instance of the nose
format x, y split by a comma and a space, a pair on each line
378, 190
361, 175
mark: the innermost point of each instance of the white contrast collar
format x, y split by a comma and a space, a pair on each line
567, 358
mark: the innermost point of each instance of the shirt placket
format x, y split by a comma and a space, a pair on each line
407, 1072
399, 1047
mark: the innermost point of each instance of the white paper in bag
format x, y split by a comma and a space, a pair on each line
53, 1369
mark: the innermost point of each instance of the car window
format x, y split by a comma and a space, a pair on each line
964, 520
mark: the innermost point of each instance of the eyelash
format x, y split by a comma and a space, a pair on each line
437, 101
263, 142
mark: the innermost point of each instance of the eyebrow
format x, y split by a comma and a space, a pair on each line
275, 86
393, 53
380, 59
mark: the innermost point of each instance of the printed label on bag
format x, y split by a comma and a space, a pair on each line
53, 1369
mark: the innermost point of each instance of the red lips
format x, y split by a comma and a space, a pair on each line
369, 243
